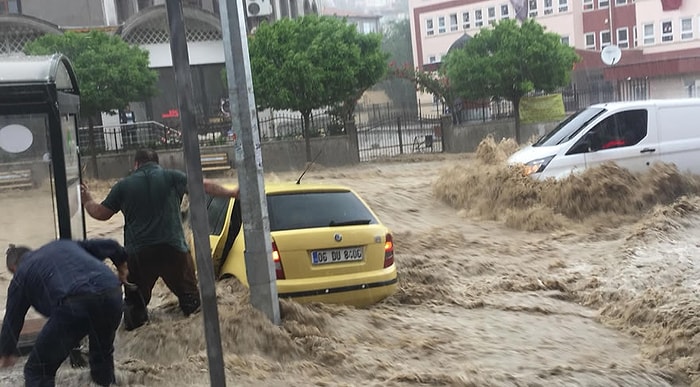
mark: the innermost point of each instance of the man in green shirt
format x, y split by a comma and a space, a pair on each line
149, 198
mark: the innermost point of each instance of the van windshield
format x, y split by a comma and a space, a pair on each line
567, 129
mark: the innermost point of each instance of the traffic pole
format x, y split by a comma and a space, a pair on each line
195, 190
249, 165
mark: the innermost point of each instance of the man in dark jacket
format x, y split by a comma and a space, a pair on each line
67, 282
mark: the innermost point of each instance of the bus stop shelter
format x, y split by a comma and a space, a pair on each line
40, 171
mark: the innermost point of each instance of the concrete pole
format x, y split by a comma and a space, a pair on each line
249, 165
195, 190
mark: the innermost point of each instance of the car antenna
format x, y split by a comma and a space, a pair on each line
309, 166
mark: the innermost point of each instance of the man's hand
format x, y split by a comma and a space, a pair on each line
7, 361
94, 209
123, 272
85, 195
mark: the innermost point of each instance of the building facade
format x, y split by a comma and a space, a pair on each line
659, 39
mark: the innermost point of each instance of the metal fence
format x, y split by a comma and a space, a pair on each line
383, 130
402, 133
116, 138
289, 125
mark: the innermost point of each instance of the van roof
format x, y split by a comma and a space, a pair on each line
649, 102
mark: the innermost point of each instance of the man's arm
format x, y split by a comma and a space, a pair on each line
15, 312
108, 248
94, 209
215, 189
105, 248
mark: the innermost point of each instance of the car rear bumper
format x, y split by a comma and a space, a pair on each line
359, 289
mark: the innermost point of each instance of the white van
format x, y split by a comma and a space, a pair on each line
631, 134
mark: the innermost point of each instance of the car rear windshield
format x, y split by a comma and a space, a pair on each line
316, 209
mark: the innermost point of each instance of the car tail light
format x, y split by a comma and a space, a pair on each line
388, 251
278, 262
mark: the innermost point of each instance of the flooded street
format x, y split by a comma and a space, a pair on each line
503, 282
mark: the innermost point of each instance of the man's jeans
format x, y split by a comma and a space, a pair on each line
95, 315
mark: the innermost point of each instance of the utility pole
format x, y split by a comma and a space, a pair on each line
249, 165
195, 189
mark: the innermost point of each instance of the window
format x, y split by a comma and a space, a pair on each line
623, 39
686, 29
465, 21
648, 30
548, 10
216, 209
563, 5
10, 6
619, 130
587, 5
441, 25
453, 22
604, 38
316, 209
492, 15
432, 59
504, 11
603, 3
565, 40
429, 27
590, 41
532, 8
620, 2
666, 31
635, 36
478, 18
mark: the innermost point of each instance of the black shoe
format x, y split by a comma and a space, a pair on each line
134, 317
190, 304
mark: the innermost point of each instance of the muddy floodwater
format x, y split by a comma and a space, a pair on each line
504, 281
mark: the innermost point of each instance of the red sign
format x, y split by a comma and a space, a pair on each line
172, 113
670, 5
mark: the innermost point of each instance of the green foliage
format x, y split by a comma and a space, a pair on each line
508, 61
313, 62
110, 72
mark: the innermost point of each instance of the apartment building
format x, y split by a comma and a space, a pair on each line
659, 39
143, 22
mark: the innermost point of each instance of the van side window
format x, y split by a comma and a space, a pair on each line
619, 130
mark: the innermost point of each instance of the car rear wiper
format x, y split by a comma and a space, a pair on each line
349, 222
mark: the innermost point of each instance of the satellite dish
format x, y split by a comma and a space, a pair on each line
611, 55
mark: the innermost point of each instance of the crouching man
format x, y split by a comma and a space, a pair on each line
65, 281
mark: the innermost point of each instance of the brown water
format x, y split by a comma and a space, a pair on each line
504, 281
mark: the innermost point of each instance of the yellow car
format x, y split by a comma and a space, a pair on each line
327, 244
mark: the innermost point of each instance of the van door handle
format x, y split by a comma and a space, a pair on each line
647, 150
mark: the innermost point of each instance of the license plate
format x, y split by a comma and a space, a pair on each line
320, 257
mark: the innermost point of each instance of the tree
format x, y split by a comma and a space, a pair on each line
313, 62
509, 61
110, 72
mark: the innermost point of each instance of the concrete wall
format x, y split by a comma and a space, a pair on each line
291, 155
278, 156
466, 137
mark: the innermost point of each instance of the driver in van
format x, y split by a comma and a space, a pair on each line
607, 136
